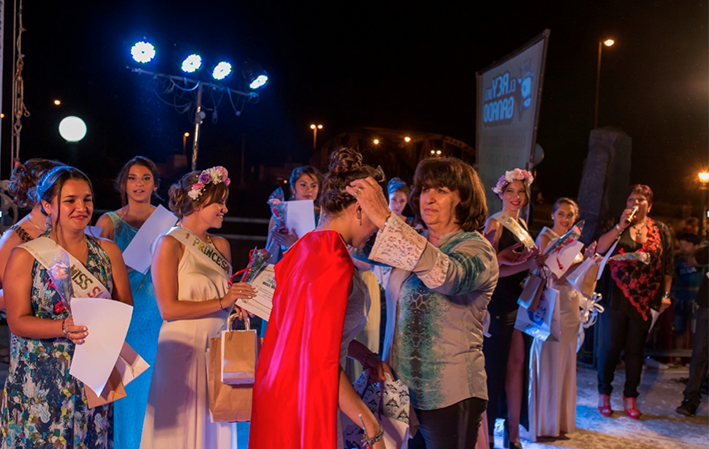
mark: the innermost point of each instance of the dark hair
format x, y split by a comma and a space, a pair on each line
122, 178
642, 189
345, 167
51, 184
456, 175
567, 201
398, 185
689, 237
305, 170
24, 179
183, 205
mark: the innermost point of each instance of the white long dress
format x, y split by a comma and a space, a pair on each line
552, 369
178, 406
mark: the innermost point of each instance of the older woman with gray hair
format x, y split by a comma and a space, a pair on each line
437, 297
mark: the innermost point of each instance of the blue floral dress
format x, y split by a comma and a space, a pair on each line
42, 404
143, 337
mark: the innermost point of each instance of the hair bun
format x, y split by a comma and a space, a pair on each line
344, 160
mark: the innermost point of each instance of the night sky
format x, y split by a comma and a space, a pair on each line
347, 64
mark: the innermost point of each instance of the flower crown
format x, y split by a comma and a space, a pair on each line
511, 176
214, 175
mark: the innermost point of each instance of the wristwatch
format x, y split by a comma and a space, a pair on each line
666, 295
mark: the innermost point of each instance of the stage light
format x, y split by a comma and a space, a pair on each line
255, 76
221, 71
143, 52
192, 63
72, 129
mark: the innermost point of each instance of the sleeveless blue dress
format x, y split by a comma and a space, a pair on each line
143, 332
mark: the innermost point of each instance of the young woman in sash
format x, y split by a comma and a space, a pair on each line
23, 183
190, 271
507, 349
44, 405
319, 306
137, 183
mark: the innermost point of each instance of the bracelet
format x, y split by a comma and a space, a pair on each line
64, 329
666, 295
220, 303
366, 358
369, 442
617, 228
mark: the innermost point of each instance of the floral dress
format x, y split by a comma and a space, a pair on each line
42, 404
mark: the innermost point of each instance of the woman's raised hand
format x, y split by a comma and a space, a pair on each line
238, 290
371, 199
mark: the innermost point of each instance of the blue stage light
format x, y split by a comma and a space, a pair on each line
143, 52
192, 63
259, 82
221, 71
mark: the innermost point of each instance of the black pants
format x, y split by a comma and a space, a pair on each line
700, 362
452, 427
497, 350
621, 329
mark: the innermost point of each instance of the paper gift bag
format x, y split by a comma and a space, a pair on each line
533, 286
129, 365
538, 323
239, 353
584, 277
227, 403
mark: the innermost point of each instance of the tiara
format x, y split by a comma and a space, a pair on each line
511, 176
214, 175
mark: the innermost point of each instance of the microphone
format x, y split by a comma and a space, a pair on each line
632, 215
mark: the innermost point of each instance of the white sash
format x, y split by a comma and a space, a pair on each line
208, 254
84, 283
515, 228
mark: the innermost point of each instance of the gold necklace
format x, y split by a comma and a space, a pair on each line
639, 229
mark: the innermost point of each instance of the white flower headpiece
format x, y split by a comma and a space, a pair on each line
511, 176
214, 175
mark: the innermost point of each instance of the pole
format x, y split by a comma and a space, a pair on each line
197, 122
315, 137
598, 84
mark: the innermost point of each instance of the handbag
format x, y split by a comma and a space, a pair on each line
532, 292
239, 353
538, 323
129, 365
227, 403
391, 404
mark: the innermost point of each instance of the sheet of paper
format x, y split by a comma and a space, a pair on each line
604, 261
107, 321
560, 261
93, 231
137, 255
300, 215
262, 303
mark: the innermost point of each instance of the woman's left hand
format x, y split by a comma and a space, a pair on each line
376, 368
665, 304
370, 197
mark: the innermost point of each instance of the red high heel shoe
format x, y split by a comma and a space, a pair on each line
631, 409
604, 405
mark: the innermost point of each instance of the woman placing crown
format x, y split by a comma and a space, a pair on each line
190, 270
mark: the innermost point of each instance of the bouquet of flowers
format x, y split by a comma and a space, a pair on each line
258, 259
60, 279
278, 207
571, 236
639, 256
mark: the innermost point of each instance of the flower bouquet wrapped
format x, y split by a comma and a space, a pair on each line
639, 256
571, 236
278, 207
60, 279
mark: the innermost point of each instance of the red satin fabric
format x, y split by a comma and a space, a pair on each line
296, 388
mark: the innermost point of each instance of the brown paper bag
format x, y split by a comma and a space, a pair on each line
239, 353
227, 403
583, 277
129, 365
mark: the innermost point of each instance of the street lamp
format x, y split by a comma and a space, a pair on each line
375, 141
184, 143
315, 129
703, 188
607, 43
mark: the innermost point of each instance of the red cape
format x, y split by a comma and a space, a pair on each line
296, 387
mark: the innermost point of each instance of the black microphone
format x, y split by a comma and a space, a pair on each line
632, 215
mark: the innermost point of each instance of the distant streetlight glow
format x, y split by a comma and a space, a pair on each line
315, 129
376, 141
57, 102
608, 42
143, 52
407, 139
704, 177
184, 143
72, 129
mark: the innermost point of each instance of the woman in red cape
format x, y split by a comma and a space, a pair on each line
300, 382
